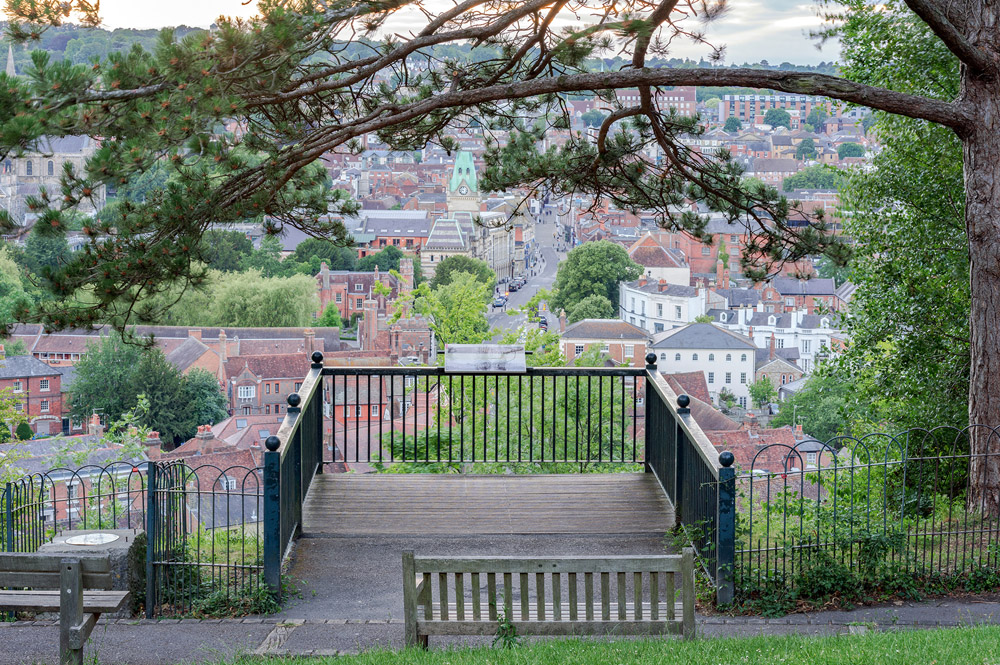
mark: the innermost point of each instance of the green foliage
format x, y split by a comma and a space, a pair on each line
204, 397
23, 432
824, 407
457, 309
594, 268
704, 318
15, 347
831, 270
337, 257
591, 307
850, 150
806, 149
330, 318
778, 118
762, 392
816, 117
593, 118
733, 124
45, 253
727, 399
455, 264
388, 259
815, 177
14, 299
226, 250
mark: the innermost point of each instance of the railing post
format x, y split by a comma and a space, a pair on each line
317, 364
8, 501
296, 442
680, 455
151, 469
648, 408
726, 536
272, 516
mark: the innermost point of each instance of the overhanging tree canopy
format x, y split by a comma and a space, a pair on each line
300, 83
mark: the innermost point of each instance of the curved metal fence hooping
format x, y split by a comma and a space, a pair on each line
885, 513
38, 506
205, 548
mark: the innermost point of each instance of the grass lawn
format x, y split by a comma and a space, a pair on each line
961, 646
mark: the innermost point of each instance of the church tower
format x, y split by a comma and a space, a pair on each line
463, 187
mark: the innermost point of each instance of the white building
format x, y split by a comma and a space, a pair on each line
727, 358
656, 306
809, 333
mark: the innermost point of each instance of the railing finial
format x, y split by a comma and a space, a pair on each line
726, 458
294, 400
682, 404
651, 362
272, 443
317, 360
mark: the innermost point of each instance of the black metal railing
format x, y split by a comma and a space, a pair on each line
698, 481
544, 415
872, 512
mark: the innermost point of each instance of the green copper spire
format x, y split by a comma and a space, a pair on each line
465, 170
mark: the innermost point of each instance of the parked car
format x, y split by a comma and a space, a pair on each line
543, 323
500, 302
514, 286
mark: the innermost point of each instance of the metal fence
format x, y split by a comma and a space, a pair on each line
544, 415
878, 510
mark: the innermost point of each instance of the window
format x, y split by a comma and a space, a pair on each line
51, 168
677, 357
743, 402
770, 320
277, 408
17, 386
19, 407
780, 343
28, 168
711, 357
729, 357
578, 349
357, 410
743, 358
783, 379
632, 309
297, 386
810, 459
805, 346
706, 251
267, 388
45, 406
246, 392
659, 309
629, 350
711, 377
743, 377
663, 356
359, 287
729, 377
677, 312
340, 297
361, 303
643, 307
732, 238
790, 302
241, 423
277, 388
694, 356
267, 409
375, 410
227, 483
657, 327
605, 346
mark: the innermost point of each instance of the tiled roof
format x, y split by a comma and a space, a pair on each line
282, 366
604, 329
740, 297
654, 257
653, 286
701, 336
818, 286
187, 353
16, 367
692, 384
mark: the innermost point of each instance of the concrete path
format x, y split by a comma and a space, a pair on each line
182, 642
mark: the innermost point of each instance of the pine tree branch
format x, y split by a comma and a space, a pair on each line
934, 16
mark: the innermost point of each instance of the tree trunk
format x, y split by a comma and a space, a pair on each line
982, 220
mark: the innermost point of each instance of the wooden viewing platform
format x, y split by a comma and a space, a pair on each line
453, 504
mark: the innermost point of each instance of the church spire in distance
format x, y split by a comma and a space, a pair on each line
10, 60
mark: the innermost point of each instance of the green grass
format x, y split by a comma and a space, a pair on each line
964, 646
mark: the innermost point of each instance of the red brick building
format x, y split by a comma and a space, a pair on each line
348, 290
37, 387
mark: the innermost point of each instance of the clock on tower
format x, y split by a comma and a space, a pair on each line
463, 190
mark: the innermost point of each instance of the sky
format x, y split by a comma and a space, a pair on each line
752, 30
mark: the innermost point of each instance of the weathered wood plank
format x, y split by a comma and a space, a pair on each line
48, 600
551, 627
476, 598
410, 598
571, 583
569, 564
460, 596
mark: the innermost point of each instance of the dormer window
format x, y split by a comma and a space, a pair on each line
824, 322
771, 320
723, 316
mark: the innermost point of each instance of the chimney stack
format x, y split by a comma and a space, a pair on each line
203, 437
662, 285
310, 340
562, 321
772, 346
153, 443
324, 271
642, 281
223, 351
94, 428
195, 332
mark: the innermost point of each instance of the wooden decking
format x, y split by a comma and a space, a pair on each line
433, 504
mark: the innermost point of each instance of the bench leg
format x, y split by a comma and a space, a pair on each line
422, 641
70, 612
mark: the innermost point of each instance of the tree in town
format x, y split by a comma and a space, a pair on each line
733, 124
762, 392
458, 263
337, 257
45, 253
204, 397
591, 307
266, 258
806, 149
14, 300
814, 177
594, 268
330, 318
778, 118
170, 413
704, 318
288, 79
23, 431
821, 407
816, 118
457, 310
593, 118
225, 250
388, 259
850, 150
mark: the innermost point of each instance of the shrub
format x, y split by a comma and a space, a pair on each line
24, 432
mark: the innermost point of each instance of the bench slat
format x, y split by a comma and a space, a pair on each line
654, 596
48, 601
621, 596
41, 580
477, 614
460, 596
572, 597
551, 627
49, 563
524, 595
636, 564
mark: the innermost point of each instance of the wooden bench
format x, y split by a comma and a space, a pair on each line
620, 595
78, 587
